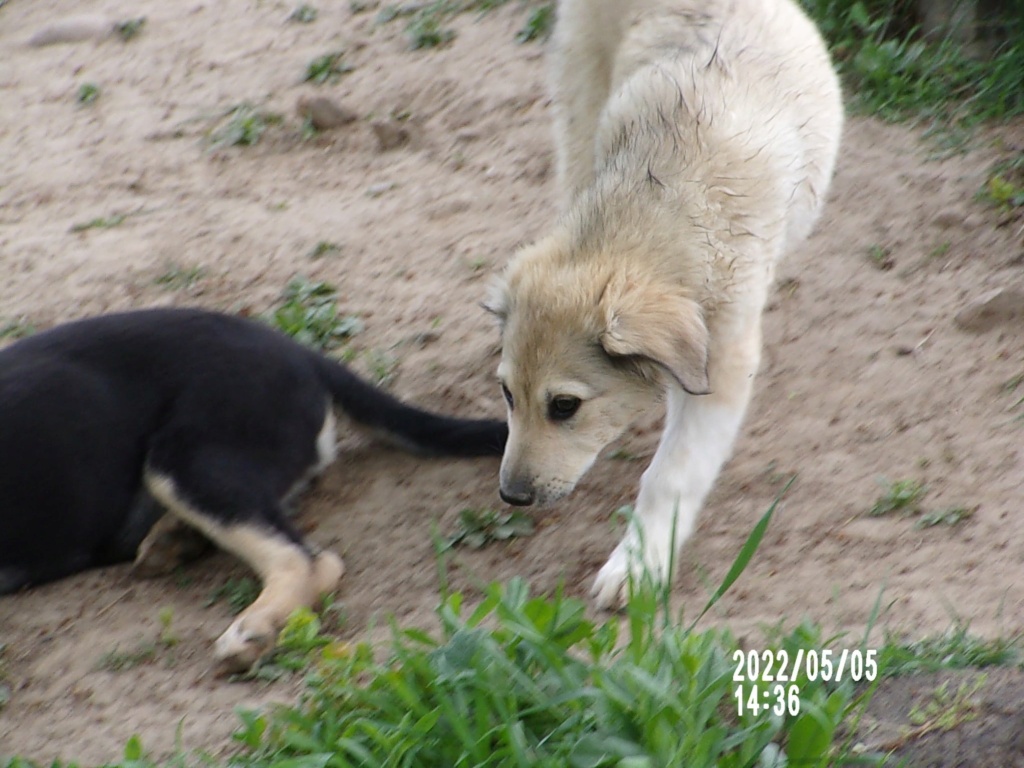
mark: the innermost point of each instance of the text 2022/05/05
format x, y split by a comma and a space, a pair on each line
771, 679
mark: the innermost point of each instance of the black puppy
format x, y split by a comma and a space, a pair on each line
216, 418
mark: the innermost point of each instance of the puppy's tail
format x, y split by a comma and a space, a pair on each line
409, 427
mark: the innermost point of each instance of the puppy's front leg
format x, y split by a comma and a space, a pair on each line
698, 438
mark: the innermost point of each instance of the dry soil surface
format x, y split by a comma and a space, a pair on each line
867, 375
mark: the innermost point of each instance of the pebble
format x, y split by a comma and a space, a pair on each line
999, 307
73, 29
390, 134
323, 113
376, 190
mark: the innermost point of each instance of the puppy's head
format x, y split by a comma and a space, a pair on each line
587, 343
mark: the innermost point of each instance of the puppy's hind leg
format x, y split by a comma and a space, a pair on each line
170, 543
697, 440
292, 577
582, 59
251, 525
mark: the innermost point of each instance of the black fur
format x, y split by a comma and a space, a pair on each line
227, 408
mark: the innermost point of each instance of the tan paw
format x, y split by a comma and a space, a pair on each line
245, 642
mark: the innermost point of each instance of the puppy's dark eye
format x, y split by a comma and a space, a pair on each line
508, 397
563, 407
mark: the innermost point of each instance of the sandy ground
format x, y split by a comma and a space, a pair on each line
866, 374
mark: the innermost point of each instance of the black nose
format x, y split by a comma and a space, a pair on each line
516, 498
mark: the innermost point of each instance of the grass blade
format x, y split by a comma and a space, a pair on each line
746, 553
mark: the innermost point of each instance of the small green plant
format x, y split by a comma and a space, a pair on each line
130, 28
308, 130
538, 24
309, 313
1010, 386
243, 126
382, 366
299, 637
327, 68
133, 751
956, 648
238, 593
297, 645
1005, 185
177, 277
1004, 194
88, 93
117, 660
949, 516
944, 710
16, 328
324, 248
427, 25
168, 637
899, 496
395, 11
881, 258
425, 29
479, 527
101, 222
303, 14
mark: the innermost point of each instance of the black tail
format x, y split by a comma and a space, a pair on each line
411, 428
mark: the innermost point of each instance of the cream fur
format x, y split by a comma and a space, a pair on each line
292, 577
695, 142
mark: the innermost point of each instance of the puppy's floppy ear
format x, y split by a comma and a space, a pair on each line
655, 325
497, 299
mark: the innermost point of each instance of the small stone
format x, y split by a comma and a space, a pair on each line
324, 114
390, 134
975, 221
949, 217
73, 29
376, 190
1002, 306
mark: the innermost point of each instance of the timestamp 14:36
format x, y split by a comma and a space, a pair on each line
779, 698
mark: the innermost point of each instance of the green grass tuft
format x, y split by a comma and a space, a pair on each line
243, 126
309, 313
88, 93
327, 68
130, 28
303, 14
955, 649
899, 496
100, 222
890, 70
16, 328
479, 527
538, 25
177, 277
238, 593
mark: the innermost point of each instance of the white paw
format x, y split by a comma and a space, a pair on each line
630, 561
243, 644
608, 590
